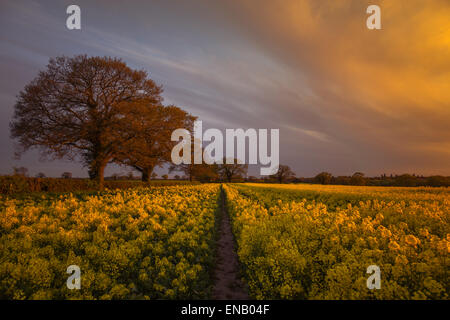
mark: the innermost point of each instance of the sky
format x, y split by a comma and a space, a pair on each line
345, 98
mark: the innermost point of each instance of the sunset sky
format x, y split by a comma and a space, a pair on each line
345, 98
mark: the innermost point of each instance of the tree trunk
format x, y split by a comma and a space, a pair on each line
101, 176
97, 172
147, 174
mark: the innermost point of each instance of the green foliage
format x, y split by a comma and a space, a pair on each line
147, 243
293, 247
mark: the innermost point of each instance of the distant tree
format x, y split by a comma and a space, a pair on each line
177, 177
79, 107
438, 181
323, 178
20, 171
67, 175
130, 176
165, 176
358, 179
154, 175
284, 174
406, 180
40, 175
206, 172
230, 171
298, 179
187, 169
341, 180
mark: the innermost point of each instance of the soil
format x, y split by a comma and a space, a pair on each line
227, 282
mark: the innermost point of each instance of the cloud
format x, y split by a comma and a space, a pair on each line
385, 92
344, 97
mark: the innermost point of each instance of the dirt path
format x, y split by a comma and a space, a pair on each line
227, 283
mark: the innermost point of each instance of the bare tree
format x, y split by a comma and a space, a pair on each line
77, 108
230, 171
283, 174
188, 168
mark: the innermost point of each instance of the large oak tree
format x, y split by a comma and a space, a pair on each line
79, 107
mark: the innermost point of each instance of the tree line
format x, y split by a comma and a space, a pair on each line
358, 179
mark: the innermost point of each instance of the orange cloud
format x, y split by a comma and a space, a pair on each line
385, 90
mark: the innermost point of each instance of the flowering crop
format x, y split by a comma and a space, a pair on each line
316, 242
141, 243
